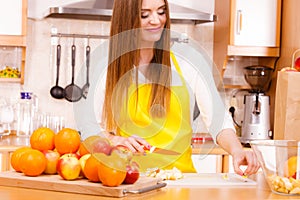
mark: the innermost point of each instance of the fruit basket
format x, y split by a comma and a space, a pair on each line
280, 161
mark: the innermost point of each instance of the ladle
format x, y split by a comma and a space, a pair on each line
56, 91
85, 88
73, 93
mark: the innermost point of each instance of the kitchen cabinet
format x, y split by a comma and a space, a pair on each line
254, 28
207, 163
13, 19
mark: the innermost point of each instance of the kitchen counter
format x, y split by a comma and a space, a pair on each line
10, 143
260, 191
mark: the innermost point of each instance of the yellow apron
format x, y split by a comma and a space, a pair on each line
172, 132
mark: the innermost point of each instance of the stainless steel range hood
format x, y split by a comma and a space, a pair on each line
102, 10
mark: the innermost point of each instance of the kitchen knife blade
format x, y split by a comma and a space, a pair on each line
154, 149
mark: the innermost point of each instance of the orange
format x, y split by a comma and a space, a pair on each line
290, 167
42, 139
111, 169
15, 157
33, 163
82, 150
67, 140
90, 169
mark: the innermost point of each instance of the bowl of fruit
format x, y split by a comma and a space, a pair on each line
280, 162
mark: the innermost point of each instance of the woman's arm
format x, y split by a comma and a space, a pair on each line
228, 140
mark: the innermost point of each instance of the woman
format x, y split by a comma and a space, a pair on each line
143, 104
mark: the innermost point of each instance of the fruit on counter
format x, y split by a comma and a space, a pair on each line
52, 158
15, 158
124, 152
90, 169
82, 150
42, 139
82, 161
67, 140
297, 64
288, 69
68, 166
9, 72
97, 144
284, 185
33, 162
290, 167
111, 168
165, 174
132, 173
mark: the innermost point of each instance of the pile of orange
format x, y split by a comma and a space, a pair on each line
31, 160
67, 140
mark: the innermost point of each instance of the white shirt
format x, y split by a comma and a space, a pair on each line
200, 83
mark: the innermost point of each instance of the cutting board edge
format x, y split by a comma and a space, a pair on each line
22, 181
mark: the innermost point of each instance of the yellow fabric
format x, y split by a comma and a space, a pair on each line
172, 131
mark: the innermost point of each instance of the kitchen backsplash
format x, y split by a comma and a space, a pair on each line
40, 65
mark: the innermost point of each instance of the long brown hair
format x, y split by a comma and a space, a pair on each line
124, 54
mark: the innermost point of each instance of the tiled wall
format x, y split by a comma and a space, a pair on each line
40, 62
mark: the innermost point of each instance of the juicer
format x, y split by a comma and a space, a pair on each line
256, 122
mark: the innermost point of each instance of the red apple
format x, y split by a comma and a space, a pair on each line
132, 174
82, 162
68, 166
52, 158
101, 145
295, 175
297, 64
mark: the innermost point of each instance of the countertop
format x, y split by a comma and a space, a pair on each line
261, 191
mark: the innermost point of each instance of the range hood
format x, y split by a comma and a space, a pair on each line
102, 10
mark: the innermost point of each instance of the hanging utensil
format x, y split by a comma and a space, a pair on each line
73, 93
85, 88
56, 91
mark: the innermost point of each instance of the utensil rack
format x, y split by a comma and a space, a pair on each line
60, 35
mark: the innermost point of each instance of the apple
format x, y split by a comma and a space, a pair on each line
297, 64
132, 173
101, 145
68, 166
288, 69
295, 175
123, 151
52, 158
82, 162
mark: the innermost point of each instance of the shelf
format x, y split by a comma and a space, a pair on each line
243, 87
11, 80
13, 40
253, 51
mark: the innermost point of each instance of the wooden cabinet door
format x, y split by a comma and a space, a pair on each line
13, 30
11, 17
255, 23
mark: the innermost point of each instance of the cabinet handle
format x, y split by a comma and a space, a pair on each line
239, 21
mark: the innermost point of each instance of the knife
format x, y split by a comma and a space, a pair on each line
154, 149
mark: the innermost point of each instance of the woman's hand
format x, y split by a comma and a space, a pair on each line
245, 157
133, 143
228, 140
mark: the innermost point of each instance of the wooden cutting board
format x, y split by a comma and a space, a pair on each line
81, 186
